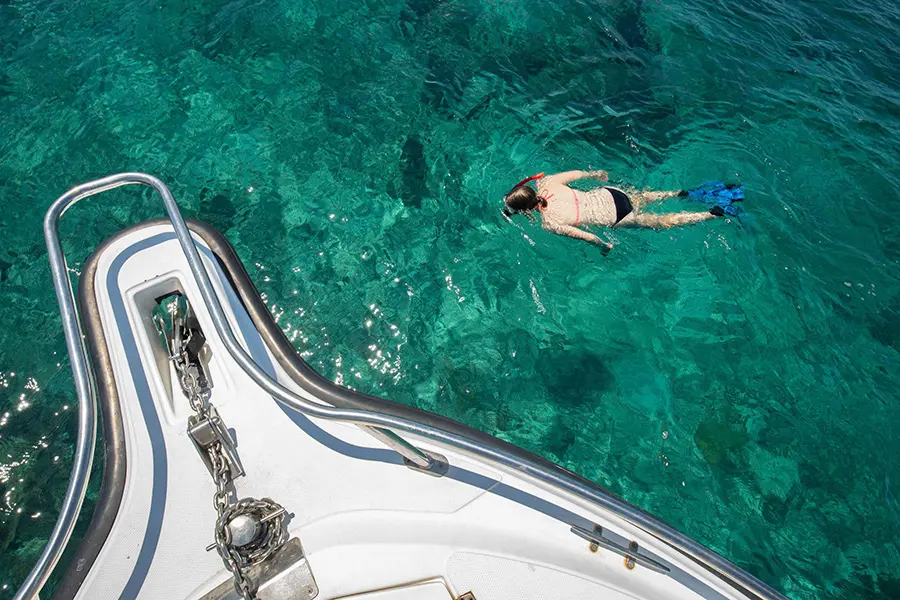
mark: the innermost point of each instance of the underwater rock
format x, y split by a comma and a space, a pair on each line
414, 169
217, 209
715, 440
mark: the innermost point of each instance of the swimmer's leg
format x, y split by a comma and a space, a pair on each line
643, 198
646, 197
667, 220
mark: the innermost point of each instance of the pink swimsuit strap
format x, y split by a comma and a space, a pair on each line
577, 208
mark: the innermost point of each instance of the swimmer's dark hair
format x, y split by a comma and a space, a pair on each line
522, 199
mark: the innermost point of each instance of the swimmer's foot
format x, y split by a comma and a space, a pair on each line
726, 208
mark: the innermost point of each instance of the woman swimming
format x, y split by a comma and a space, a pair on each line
564, 209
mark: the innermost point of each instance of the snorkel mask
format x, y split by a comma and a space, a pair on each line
507, 211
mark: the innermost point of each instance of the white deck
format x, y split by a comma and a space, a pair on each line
371, 528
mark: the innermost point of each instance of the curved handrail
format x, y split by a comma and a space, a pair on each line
87, 409
368, 419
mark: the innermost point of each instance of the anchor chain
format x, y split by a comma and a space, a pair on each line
247, 531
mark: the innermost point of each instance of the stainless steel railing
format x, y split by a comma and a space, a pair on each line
379, 424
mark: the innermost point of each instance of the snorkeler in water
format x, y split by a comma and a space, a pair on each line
564, 209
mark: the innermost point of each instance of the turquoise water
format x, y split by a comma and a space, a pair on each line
738, 381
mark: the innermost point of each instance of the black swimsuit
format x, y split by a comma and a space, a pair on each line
622, 202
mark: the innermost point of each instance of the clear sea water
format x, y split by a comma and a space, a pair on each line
738, 380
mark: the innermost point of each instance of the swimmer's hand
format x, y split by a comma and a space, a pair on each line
605, 246
579, 234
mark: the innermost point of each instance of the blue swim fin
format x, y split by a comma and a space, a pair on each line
725, 207
714, 191
720, 195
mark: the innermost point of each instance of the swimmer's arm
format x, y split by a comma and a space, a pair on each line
570, 176
579, 234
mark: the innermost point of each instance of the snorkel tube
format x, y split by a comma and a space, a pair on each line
507, 212
527, 180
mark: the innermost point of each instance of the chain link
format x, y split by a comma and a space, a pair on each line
190, 384
229, 554
269, 514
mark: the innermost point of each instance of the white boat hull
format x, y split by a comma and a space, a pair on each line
370, 527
